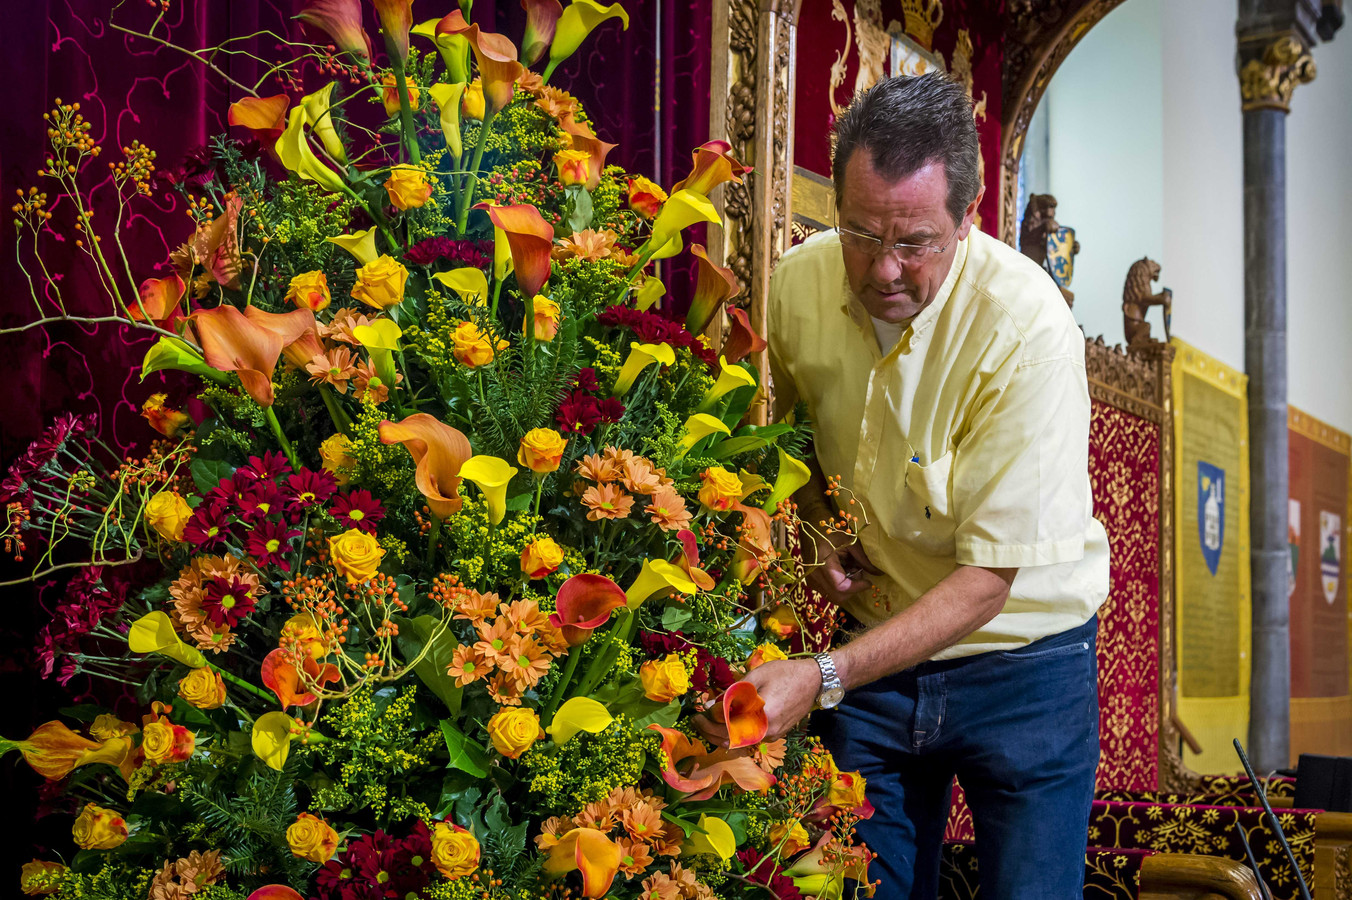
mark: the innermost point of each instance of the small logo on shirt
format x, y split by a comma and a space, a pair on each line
927, 512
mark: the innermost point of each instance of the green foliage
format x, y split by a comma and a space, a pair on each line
588, 767
249, 818
110, 882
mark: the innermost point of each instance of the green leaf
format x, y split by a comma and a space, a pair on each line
750, 438
85, 712
580, 208
466, 755
431, 669
686, 825
674, 618
665, 715
207, 473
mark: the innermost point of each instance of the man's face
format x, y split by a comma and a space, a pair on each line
910, 211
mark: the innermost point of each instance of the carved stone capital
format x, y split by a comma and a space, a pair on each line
1268, 81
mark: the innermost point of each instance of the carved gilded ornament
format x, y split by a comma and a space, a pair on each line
1269, 82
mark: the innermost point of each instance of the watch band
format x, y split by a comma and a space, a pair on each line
830, 680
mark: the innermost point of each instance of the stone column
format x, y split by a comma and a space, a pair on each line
1271, 65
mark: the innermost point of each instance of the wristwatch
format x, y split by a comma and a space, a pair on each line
832, 691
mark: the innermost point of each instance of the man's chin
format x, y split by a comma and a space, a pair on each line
885, 307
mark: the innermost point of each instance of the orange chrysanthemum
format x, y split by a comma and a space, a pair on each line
596, 468
587, 244
467, 665
668, 510
607, 501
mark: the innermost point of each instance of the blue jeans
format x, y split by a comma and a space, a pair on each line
1019, 729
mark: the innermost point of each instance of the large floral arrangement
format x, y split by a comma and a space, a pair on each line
469, 529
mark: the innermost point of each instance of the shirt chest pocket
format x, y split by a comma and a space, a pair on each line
919, 511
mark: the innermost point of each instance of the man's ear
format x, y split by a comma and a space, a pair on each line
970, 215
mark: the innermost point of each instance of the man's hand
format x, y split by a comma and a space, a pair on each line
841, 568
789, 688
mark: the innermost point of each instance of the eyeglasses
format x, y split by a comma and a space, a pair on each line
867, 243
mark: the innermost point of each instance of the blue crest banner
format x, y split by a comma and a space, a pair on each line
1211, 512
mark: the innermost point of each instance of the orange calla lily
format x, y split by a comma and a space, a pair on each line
289, 326
159, 300
438, 450
341, 20
590, 852
264, 116
743, 712
688, 560
756, 544
53, 750
598, 149
583, 604
714, 164
496, 58
275, 892
217, 245
232, 342
714, 286
530, 238
396, 18
708, 771
743, 340
542, 17
281, 676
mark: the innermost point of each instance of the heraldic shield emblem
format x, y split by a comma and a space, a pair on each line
1330, 553
1061, 255
1211, 512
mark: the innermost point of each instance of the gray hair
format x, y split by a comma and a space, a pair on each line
907, 122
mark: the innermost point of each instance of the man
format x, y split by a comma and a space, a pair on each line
945, 380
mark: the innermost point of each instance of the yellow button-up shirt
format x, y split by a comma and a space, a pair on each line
966, 444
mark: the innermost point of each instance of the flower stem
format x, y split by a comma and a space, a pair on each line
241, 683
574, 654
539, 489
405, 111
341, 420
281, 437
472, 178
593, 675
497, 292
432, 534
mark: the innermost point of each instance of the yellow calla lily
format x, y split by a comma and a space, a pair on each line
293, 149
454, 49
649, 293
271, 738
793, 474
381, 340
579, 19
731, 378
361, 244
154, 633
658, 577
447, 97
671, 248
491, 475
319, 117
711, 836
469, 283
640, 357
698, 427
579, 714
682, 209
751, 483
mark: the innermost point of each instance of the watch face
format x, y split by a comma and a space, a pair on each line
831, 697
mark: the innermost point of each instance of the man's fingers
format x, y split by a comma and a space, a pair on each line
860, 558
714, 731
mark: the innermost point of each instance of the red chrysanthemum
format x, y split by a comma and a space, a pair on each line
227, 600
358, 509
269, 542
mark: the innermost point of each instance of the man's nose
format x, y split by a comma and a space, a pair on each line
886, 269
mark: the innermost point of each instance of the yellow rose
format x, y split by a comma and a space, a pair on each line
781, 621
541, 450
380, 283
302, 632
164, 742
107, 726
203, 688
472, 347
167, 513
389, 95
573, 168
310, 290
847, 791
472, 101
514, 729
547, 318
541, 557
408, 187
789, 838
355, 554
99, 829
336, 458
765, 653
312, 838
455, 852
664, 680
645, 197
39, 877
721, 489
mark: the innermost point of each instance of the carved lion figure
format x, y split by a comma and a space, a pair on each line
1039, 221
1137, 297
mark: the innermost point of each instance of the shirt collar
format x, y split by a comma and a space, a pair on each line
926, 317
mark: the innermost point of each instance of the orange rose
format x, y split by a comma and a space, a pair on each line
664, 680
310, 290
541, 557
721, 489
99, 829
645, 198
547, 318
763, 654
472, 347
164, 742
781, 621
572, 166
847, 791
541, 450
203, 688
789, 837
408, 187
389, 96
166, 420
310, 837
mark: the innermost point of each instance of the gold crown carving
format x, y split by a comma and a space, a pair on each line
922, 18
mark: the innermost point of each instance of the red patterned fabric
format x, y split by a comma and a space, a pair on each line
1109, 874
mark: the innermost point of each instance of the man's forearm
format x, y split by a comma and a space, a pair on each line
957, 606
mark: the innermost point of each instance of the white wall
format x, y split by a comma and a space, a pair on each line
1145, 154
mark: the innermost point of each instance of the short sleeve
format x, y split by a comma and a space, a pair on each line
1021, 473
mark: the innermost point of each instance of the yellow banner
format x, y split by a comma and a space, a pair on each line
1211, 515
